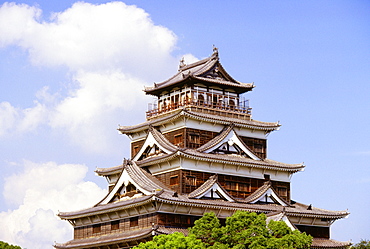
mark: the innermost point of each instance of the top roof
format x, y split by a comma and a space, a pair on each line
209, 71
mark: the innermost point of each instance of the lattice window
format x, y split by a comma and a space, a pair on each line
191, 180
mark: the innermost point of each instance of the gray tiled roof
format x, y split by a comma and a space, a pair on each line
184, 112
204, 187
146, 180
216, 140
162, 140
262, 190
109, 170
121, 237
329, 243
200, 71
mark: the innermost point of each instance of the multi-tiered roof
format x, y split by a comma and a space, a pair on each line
198, 151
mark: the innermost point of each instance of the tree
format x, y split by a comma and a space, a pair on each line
363, 244
4, 245
242, 230
173, 241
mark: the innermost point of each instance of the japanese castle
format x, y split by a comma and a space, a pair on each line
198, 151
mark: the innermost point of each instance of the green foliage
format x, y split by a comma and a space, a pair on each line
363, 244
4, 245
242, 230
172, 241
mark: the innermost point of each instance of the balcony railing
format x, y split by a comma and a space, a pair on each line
217, 108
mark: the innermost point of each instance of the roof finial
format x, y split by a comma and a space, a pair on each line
215, 50
182, 63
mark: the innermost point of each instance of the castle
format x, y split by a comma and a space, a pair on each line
198, 151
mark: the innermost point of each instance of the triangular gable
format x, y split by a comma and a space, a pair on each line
280, 216
133, 182
154, 144
211, 189
266, 194
228, 142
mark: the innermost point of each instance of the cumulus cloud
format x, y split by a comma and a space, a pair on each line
111, 51
39, 191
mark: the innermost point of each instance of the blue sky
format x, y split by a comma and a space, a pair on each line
71, 73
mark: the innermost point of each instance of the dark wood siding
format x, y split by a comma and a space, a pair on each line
176, 220
237, 186
116, 226
315, 231
136, 146
190, 138
258, 146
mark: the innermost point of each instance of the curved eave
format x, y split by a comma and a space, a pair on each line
255, 125
329, 243
109, 171
238, 86
214, 158
318, 215
111, 207
261, 208
105, 240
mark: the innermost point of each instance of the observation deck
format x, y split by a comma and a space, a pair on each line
214, 102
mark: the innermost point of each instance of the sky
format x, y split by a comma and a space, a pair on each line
71, 72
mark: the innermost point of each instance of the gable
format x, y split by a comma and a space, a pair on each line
151, 147
231, 144
266, 195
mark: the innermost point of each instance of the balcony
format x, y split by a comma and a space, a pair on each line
218, 107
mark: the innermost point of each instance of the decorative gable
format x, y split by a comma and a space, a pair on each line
266, 195
155, 144
228, 142
211, 189
133, 182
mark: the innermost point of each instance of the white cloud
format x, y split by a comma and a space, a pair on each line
89, 37
96, 107
111, 50
39, 191
8, 116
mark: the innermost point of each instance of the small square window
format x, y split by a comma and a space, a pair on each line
178, 139
134, 221
97, 228
115, 225
174, 180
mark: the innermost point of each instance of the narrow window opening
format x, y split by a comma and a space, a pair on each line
134, 221
115, 225
97, 228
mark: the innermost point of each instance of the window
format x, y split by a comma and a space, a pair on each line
174, 180
194, 138
135, 150
200, 99
245, 187
114, 225
282, 191
191, 180
134, 221
178, 139
97, 228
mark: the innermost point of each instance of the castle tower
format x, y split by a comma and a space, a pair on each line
199, 150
